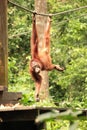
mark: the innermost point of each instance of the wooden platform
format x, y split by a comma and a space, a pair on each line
9, 97
23, 117
16, 118
27, 113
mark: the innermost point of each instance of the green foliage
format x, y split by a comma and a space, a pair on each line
72, 122
65, 125
68, 48
54, 114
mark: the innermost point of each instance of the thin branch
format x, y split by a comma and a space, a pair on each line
19, 34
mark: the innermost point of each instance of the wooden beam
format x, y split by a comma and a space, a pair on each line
27, 113
3, 44
10, 97
19, 125
1, 88
5, 97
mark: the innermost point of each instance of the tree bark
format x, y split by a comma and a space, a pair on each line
3, 43
41, 7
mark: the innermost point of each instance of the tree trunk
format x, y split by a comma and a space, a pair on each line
3, 43
41, 7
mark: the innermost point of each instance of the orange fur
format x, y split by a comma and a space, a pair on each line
41, 60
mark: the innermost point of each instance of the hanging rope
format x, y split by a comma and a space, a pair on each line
42, 14
58, 24
21, 7
66, 20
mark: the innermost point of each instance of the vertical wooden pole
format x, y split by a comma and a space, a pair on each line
3, 44
41, 7
5, 96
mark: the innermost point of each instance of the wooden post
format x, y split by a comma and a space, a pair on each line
41, 7
5, 96
3, 44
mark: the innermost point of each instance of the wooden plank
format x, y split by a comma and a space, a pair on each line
1, 88
30, 113
26, 125
25, 115
10, 97
3, 43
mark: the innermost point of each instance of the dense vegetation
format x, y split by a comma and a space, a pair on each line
68, 48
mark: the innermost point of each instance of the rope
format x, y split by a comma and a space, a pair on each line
42, 14
21, 7
69, 11
59, 23
66, 20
